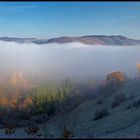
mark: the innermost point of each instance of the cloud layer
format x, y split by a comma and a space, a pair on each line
73, 60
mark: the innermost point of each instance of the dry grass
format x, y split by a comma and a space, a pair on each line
100, 114
67, 134
32, 130
118, 99
10, 128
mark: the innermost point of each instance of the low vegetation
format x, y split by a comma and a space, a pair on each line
134, 104
101, 113
119, 98
9, 128
39, 104
31, 130
67, 134
52, 100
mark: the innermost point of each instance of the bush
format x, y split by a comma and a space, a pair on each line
40, 104
9, 128
32, 129
100, 114
53, 99
43, 99
67, 134
118, 99
129, 106
136, 104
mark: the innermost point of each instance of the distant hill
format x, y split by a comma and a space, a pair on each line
91, 40
18, 40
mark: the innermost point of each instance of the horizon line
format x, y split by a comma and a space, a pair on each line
89, 35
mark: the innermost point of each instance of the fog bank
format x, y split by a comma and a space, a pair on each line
73, 60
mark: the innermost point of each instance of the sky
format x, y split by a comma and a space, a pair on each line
54, 19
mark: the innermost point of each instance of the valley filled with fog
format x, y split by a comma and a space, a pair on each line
79, 75
71, 60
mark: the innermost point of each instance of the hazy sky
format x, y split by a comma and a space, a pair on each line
53, 19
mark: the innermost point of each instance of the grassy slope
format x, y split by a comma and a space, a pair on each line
119, 123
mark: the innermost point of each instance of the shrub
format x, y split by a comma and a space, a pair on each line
67, 134
9, 128
118, 99
32, 130
129, 106
53, 99
47, 100
100, 114
43, 99
136, 104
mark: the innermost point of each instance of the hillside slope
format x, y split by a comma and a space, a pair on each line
122, 121
96, 40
